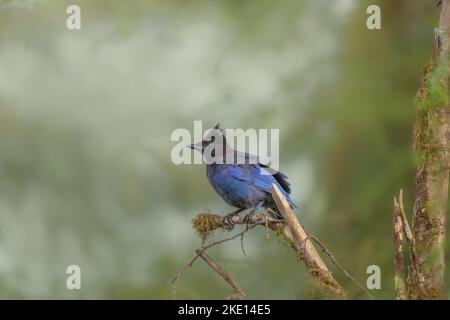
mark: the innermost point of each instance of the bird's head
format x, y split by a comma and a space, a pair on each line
214, 137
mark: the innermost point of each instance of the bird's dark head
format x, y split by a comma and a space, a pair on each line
214, 136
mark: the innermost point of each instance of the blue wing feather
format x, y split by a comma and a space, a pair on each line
259, 177
238, 173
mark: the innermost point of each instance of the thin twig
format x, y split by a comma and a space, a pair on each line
177, 277
406, 228
336, 263
228, 239
239, 293
409, 236
399, 267
242, 245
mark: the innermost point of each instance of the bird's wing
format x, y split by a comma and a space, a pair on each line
248, 158
280, 177
238, 172
259, 177
253, 175
263, 179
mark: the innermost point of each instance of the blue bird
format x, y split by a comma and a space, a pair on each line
244, 183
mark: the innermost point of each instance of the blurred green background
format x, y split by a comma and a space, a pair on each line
86, 117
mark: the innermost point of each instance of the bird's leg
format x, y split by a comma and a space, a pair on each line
274, 215
228, 219
248, 216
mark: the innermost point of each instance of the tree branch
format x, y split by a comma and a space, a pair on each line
239, 293
409, 236
432, 143
299, 236
305, 249
289, 230
336, 263
399, 267
198, 253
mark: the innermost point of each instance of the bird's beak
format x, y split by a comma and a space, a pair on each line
195, 146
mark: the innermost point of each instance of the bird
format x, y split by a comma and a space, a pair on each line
244, 183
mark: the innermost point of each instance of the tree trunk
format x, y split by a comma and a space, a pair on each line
432, 141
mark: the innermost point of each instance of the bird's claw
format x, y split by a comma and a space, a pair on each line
228, 221
248, 219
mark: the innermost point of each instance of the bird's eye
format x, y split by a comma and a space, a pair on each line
207, 142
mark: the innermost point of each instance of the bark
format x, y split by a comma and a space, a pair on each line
301, 241
431, 142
